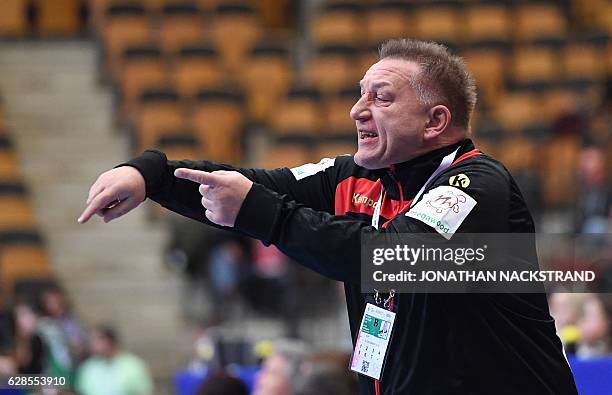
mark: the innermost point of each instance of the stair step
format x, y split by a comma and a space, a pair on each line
61, 120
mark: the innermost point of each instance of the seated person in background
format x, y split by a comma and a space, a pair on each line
221, 383
594, 200
326, 374
596, 326
110, 369
56, 307
566, 308
280, 369
29, 347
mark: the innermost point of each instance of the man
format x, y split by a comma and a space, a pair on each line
110, 369
412, 121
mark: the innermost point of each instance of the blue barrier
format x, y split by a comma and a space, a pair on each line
187, 382
593, 376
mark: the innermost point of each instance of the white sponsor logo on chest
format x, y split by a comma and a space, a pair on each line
443, 208
310, 169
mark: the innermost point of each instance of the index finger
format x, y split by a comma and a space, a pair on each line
199, 176
98, 203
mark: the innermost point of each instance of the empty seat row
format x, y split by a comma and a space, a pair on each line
232, 31
23, 254
347, 22
51, 17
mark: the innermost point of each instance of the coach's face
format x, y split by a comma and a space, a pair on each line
390, 120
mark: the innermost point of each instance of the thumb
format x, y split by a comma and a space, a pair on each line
199, 176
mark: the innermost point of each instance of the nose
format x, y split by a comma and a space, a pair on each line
360, 110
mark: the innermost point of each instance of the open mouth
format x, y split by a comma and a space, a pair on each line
363, 135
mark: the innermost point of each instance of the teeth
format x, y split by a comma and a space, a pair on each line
368, 134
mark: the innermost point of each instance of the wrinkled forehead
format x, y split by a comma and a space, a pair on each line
390, 71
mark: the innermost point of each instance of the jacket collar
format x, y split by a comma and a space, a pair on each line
414, 173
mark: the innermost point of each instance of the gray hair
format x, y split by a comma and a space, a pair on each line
444, 78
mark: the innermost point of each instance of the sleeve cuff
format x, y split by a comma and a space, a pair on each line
152, 164
259, 214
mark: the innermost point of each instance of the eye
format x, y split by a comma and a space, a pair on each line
382, 98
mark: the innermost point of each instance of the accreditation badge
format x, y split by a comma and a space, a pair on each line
372, 341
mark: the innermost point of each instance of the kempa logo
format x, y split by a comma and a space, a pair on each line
460, 180
362, 199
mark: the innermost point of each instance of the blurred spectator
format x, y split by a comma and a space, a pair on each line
29, 347
110, 369
227, 262
221, 383
326, 374
266, 289
595, 196
187, 251
59, 358
596, 326
280, 369
55, 306
566, 309
601, 129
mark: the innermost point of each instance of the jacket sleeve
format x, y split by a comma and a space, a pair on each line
312, 185
471, 197
330, 244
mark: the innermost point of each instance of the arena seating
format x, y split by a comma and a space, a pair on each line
23, 255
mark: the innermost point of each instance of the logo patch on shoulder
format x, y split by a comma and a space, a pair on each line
310, 169
459, 180
443, 208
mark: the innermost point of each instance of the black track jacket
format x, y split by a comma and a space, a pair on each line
442, 344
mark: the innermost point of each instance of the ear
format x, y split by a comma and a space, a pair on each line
439, 119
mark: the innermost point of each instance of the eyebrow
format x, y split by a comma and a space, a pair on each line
376, 85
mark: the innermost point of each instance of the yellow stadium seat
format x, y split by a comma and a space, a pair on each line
366, 58
386, 20
13, 18
333, 149
209, 5
437, 23
337, 24
9, 167
181, 24
298, 113
15, 207
218, 121
285, 155
336, 111
557, 102
518, 154
487, 146
534, 65
582, 62
559, 183
265, 80
235, 30
196, 68
539, 21
22, 256
124, 26
488, 23
142, 67
58, 17
488, 67
515, 111
331, 69
159, 112
179, 146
